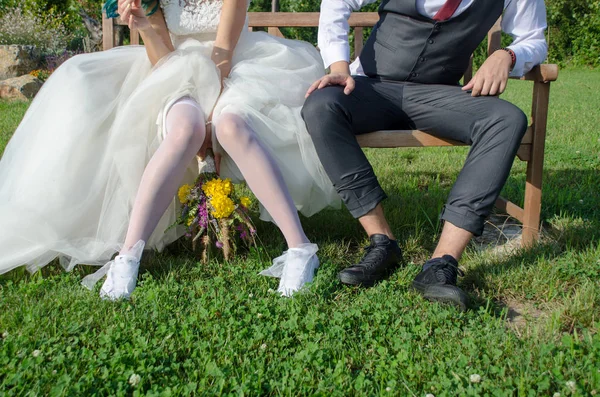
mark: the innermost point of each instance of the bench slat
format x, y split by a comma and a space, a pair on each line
416, 138
305, 19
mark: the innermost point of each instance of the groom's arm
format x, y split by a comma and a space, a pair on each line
334, 29
525, 21
333, 42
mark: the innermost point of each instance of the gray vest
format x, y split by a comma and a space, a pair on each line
406, 46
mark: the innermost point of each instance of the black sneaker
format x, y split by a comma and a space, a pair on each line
382, 258
438, 282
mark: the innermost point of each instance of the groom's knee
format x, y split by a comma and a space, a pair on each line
322, 106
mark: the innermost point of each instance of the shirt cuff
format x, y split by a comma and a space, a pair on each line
335, 53
519, 69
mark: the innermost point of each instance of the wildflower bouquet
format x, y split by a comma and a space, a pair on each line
212, 214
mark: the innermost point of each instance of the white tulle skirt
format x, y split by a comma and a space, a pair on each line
70, 173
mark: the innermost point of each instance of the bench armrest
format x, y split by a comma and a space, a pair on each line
542, 73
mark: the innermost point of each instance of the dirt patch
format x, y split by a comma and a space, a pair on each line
501, 235
522, 316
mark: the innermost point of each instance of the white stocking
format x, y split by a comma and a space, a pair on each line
261, 174
185, 128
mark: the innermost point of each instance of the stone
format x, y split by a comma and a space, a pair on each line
20, 88
17, 60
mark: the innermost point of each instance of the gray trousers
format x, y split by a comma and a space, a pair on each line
493, 127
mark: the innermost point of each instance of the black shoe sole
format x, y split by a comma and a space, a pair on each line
366, 281
369, 281
449, 294
362, 281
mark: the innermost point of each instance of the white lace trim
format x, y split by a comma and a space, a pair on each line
186, 17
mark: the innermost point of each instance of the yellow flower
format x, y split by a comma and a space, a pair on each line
227, 186
245, 201
217, 186
222, 206
184, 193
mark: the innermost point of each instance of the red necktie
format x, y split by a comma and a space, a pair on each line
447, 10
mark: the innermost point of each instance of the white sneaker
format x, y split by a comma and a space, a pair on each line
299, 268
120, 278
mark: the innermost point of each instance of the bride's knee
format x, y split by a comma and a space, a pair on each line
232, 129
187, 131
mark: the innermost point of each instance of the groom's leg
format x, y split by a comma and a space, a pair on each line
494, 129
333, 120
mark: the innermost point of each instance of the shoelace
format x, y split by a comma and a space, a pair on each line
375, 254
447, 272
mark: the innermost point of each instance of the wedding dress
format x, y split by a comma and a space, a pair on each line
69, 175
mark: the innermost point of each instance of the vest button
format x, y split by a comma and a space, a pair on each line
422, 59
430, 41
414, 74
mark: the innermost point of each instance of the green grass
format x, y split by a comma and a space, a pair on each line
11, 114
218, 329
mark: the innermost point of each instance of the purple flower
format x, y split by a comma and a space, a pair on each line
219, 244
243, 235
252, 232
202, 214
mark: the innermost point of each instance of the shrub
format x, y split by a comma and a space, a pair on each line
574, 31
18, 26
66, 13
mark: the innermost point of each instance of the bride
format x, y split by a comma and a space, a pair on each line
95, 164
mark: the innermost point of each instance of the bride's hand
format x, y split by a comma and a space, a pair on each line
132, 12
224, 69
222, 58
208, 145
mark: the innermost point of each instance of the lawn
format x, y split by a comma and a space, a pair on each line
193, 329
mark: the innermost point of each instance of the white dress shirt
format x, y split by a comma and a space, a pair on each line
524, 20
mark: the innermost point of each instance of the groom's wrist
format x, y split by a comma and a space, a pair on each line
341, 67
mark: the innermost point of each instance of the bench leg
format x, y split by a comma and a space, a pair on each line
533, 205
535, 165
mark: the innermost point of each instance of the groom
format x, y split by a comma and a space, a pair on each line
407, 77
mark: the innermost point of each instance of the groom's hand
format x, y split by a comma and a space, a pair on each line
492, 76
340, 75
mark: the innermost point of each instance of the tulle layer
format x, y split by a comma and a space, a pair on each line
267, 87
69, 175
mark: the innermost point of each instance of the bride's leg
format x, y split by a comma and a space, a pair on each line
185, 128
296, 267
185, 134
261, 174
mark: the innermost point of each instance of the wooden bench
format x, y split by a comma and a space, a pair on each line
531, 150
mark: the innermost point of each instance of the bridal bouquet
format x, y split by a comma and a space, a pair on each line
213, 214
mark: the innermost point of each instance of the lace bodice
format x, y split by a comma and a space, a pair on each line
186, 17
